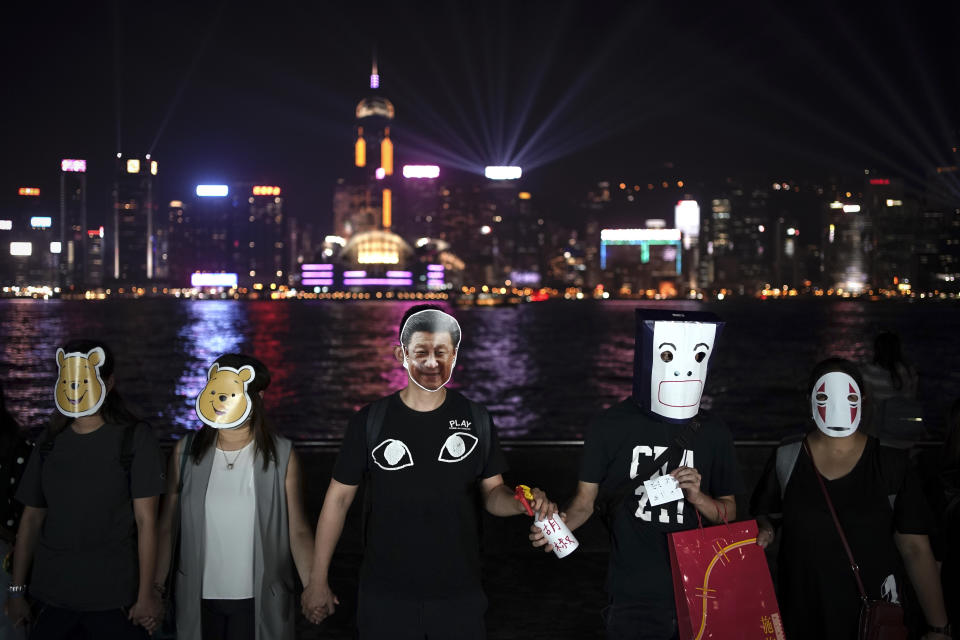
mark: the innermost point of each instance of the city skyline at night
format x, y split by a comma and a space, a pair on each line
423, 163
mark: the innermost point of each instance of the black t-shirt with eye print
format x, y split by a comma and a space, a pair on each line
423, 528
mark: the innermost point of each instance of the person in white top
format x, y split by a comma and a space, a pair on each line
241, 520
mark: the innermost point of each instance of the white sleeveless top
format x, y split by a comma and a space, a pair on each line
230, 513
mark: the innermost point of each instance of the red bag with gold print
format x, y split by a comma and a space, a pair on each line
722, 585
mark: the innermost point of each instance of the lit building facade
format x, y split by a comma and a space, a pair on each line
364, 201
73, 223
134, 210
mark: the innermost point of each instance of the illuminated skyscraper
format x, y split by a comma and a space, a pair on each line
364, 201
133, 239
73, 222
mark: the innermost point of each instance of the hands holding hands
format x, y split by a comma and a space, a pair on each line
147, 612
318, 602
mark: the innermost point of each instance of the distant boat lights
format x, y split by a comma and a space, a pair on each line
502, 173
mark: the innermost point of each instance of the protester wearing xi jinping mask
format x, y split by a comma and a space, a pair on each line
673, 350
879, 505
427, 455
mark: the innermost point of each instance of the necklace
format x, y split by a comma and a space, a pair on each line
226, 459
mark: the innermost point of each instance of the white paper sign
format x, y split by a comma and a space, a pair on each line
662, 490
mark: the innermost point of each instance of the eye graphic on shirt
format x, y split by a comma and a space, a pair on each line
457, 447
392, 455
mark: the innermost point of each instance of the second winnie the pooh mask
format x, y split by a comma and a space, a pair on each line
80, 390
224, 402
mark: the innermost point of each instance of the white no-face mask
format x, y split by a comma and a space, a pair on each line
837, 404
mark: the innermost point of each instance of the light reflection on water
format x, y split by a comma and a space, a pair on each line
212, 328
543, 369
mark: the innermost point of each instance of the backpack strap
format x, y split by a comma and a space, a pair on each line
786, 460
375, 417
481, 420
374, 425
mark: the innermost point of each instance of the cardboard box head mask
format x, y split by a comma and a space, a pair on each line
671, 357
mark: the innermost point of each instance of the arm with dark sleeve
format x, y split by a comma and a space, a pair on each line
912, 521
594, 466
146, 484
30, 494
497, 497
718, 502
766, 504
318, 600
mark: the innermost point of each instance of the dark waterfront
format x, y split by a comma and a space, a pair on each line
543, 369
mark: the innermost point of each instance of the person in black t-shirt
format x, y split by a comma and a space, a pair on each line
670, 366
423, 449
878, 500
89, 524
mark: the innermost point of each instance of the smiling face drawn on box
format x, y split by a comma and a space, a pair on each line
836, 404
80, 390
224, 402
678, 371
429, 350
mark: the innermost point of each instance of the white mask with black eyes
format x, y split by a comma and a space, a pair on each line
836, 404
681, 352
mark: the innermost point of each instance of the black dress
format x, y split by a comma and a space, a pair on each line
817, 591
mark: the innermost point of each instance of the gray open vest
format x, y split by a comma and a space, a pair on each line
272, 562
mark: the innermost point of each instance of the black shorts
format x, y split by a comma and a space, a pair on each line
400, 617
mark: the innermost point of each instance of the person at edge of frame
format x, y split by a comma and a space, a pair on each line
671, 356
90, 491
420, 576
879, 503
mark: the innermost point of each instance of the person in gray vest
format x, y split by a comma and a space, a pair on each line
239, 509
882, 518
425, 452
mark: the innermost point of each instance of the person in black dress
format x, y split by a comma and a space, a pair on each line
879, 503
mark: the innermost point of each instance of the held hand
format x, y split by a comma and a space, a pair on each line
17, 610
147, 612
539, 539
541, 505
689, 480
765, 537
318, 602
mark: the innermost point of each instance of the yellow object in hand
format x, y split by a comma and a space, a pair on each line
526, 491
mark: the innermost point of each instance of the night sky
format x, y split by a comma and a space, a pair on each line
574, 92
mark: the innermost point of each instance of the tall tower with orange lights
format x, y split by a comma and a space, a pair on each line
364, 201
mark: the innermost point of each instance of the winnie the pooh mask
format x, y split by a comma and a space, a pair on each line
224, 402
79, 390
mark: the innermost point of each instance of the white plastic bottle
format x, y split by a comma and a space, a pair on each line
555, 529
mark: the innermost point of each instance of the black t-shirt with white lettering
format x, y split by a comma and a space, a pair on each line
423, 528
86, 558
621, 441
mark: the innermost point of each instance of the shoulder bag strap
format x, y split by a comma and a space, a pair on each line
481, 419
836, 523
